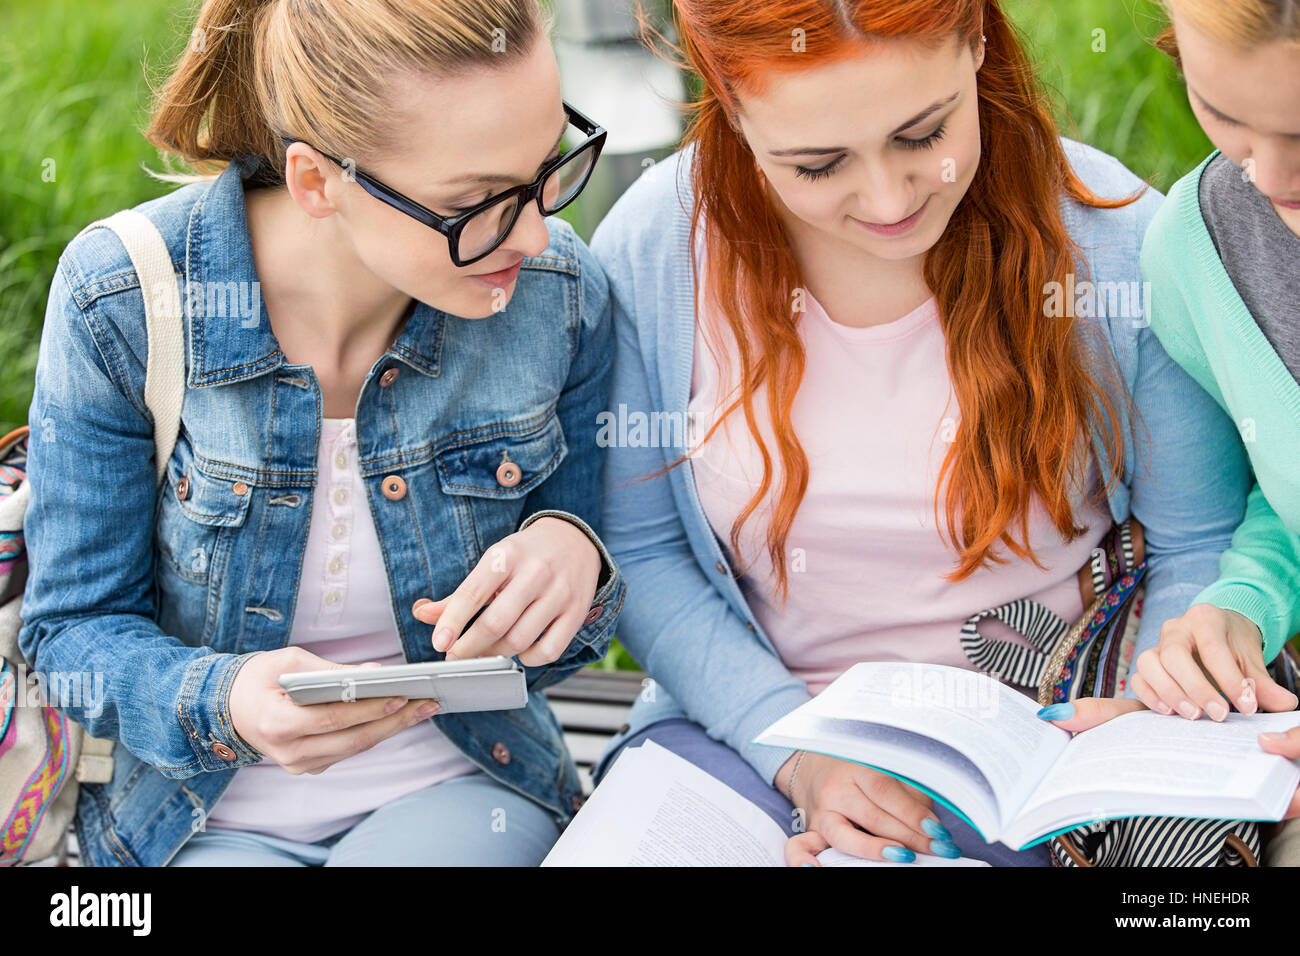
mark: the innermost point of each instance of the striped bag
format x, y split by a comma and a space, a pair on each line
1093, 658
44, 756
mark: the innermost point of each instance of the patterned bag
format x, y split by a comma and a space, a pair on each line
39, 745
1093, 659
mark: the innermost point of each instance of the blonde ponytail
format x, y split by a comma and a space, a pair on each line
1240, 23
322, 70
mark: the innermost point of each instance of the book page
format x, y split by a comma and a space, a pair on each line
994, 726
654, 808
1146, 763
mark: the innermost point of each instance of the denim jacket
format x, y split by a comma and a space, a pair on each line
687, 620
163, 596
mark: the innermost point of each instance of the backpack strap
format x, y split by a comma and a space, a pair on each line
164, 388
95, 765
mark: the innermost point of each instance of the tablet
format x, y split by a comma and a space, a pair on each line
460, 686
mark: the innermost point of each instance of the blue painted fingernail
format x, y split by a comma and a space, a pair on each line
898, 854
1057, 712
813, 865
945, 848
935, 829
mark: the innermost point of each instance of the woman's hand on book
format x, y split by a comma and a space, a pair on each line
309, 738
861, 812
538, 585
1287, 744
1087, 712
1204, 656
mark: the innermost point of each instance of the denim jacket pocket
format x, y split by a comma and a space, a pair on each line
489, 471
478, 463
195, 509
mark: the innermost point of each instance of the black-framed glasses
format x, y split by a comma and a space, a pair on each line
477, 232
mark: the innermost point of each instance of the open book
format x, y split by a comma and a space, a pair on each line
979, 747
654, 808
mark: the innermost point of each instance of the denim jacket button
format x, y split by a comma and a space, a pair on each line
576, 802
224, 752
508, 474
183, 488
388, 377
750, 626
394, 487
722, 568
240, 488
500, 753
594, 615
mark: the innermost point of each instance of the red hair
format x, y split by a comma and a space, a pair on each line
1026, 396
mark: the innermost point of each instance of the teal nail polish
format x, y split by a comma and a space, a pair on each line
935, 830
898, 854
1057, 712
813, 865
945, 848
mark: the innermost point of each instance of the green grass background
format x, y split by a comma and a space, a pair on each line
73, 91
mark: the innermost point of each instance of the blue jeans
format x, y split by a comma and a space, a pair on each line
465, 821
688, 739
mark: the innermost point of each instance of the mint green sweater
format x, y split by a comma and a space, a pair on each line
1205, 327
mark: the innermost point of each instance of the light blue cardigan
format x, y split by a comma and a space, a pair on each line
685, 619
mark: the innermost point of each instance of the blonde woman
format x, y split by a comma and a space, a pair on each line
388, 427
1223, 254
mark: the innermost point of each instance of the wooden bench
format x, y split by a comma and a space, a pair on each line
591, 706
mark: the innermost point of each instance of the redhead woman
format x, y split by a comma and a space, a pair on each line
387, 450
851, 280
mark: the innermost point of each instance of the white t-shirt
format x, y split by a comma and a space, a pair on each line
344, 614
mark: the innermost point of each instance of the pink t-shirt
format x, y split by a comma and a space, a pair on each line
865, 559
344, 614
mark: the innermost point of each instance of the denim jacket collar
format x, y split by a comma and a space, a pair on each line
219, 250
